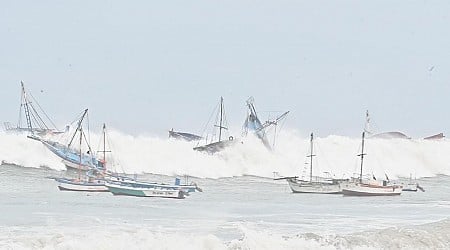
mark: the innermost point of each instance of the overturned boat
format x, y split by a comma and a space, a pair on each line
184, 136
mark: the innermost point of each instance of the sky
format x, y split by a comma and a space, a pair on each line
144, 67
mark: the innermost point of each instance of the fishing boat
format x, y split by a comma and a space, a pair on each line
126, 181
121, 181
72, 158
318, 184
184, 136
96, 185
383, 135
412, 185
213, 146
142, 189
37, 121
438, 136
90, 181
394, 134
254, 125
360, 187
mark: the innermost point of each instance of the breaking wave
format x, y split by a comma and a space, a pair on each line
335, 154
429, 236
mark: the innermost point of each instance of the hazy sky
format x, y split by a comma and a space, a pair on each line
147, 66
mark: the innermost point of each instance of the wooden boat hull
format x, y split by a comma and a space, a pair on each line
145, 192
371, 190
70, 185
314, 187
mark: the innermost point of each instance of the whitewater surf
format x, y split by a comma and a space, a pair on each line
161, 155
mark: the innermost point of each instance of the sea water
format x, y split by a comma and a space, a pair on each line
241, 206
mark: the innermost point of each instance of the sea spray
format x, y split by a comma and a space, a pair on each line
336, 155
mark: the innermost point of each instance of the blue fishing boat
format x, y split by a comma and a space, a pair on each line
73, 159
254, 125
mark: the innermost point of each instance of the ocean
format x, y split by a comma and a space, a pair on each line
241, 206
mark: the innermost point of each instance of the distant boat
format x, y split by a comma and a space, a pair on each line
370, 187
435, 137
36, 118
383, 135
254, 125
320, 185
394, 134
214, 146
412, 185
184, 136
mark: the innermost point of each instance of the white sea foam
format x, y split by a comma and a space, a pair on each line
429, 236
336, 154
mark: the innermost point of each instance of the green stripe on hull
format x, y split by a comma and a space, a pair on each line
122, 191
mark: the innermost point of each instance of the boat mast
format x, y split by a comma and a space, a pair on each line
104, 151
362, 157
221, 118
80, 122
26, 108
81, 141
311, 155
104, 143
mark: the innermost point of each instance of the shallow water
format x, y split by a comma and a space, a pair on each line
232, 213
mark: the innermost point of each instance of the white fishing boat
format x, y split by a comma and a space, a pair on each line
322, 187
125, 181
318, 185
360, 187
65, 184
412, 185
